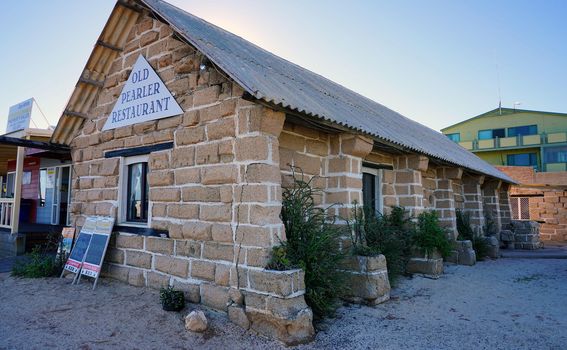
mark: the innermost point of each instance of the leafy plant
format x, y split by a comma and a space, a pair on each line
389, 235
312, 244
171, 299
467, 233
430, 236
37, 265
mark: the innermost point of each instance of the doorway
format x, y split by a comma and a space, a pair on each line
61, 194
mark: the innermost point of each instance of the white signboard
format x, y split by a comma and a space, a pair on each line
19, 116
144, 97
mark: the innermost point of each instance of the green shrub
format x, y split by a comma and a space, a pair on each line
171, 299
37, 264
389, 235
312, 244
430, 236
467, 233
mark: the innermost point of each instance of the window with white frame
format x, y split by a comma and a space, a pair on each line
371, 189
134, 190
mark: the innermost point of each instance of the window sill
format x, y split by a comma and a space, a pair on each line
140, 229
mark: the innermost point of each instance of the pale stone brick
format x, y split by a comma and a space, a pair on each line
159, 160
201, 194
159, 245
183, 211
159, 209
114, 256
222, 275
258, 172
172, 266
252, 148
220, 212
182, 157
206, 96
207, 153
220, 174
222, 232
165, 194
197, 230
187, 176
265, 215
190, 249
189, 136
220, 129
191, 290
256, 236
214, 296
138, 259
160, 178
258, 257
129, 241
136, 278
292, 142
157, 280
203, 270
218, 251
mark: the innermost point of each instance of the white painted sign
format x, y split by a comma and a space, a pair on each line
144, 97
19, 116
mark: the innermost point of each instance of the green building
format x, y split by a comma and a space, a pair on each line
515, 137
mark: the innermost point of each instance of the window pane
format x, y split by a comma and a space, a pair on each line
42, 186
555, 154
522, 130
454, 137
484, 134
369, 191
523, 159
498, 133
136, 201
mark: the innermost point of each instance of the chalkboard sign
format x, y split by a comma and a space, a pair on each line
77, 256
95, 254
97, 248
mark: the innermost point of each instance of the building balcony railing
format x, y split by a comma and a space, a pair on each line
515, 141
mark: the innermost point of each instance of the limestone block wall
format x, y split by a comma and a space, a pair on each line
217, 192
550, 209
334, 161
473, 202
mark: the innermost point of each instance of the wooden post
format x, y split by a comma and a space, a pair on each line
18, 189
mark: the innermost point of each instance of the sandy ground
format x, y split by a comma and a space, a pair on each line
503, 304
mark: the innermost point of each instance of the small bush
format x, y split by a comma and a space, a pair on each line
37, 265
467, 233
430, 236
171, 299
312, 244
389, 235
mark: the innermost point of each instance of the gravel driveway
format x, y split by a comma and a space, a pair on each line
502, 304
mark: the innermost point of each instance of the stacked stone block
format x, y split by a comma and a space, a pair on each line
473, 205
526, 234
491, 204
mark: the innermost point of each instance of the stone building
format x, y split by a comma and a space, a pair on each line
541, 197
197, 195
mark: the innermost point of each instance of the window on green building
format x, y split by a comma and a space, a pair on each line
491, 134
522, 159
522, 130
454, 137
555, 154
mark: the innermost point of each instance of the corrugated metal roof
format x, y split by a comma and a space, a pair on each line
276, 80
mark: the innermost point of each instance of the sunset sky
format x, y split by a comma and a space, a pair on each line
436, 62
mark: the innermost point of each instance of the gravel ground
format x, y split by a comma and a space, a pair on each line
502, 304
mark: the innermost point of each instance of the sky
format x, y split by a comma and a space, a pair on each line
437, 62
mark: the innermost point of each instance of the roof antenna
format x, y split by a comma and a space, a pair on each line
499, 93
